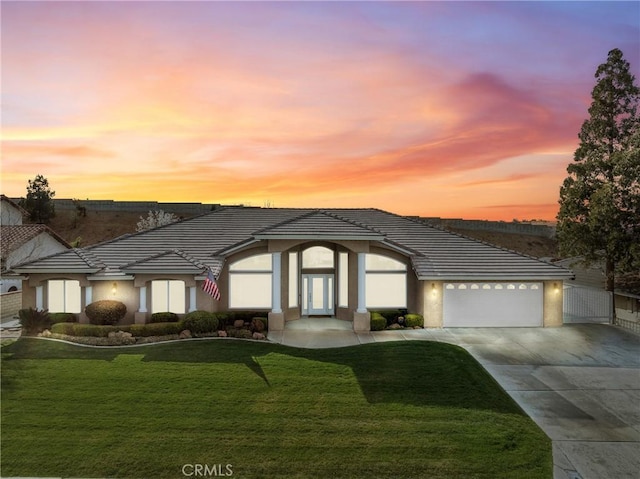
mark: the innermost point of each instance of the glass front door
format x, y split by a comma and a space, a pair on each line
317, 291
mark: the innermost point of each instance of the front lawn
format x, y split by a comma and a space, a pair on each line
401, 410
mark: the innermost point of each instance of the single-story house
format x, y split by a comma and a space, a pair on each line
20, 243
295, 263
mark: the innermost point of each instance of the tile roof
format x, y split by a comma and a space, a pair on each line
14, 236
204, 242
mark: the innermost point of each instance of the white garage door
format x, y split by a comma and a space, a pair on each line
483, 305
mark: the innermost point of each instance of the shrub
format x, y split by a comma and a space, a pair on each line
155, 329
390, 315
164, 317
34, 321
378, 322
105, 312
63, 318
239, 333
76, 329
412, 320
201, 322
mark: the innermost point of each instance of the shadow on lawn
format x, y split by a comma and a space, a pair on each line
419, 373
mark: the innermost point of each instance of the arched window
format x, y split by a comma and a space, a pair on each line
64, 296
386, 282
250, 282
318, 257
168, 295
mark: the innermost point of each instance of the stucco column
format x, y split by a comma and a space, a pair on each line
140, 316
143, 300
553, 304
276, 316
276, 306
88, 295
192, 298
362, 271
39, 297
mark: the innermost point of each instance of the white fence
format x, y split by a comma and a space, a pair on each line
586, 305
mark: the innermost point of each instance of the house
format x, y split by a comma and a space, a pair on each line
20, 243
297, 263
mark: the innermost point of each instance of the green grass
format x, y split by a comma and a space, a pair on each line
401, 410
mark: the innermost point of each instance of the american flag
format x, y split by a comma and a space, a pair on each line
210, 286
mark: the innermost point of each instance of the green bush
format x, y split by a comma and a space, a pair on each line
164, 317
201, 322
155, 329
378, 322
239, 333
412, 320
34, 321
391, 315
105, 312
77, 329
63, 318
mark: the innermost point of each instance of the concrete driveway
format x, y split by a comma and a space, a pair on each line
580, 383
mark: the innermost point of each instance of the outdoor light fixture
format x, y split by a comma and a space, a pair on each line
114, 289
433, 289
555, 287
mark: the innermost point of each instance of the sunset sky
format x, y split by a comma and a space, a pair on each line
452, 109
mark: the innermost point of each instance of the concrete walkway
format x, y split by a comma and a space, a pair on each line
580, 383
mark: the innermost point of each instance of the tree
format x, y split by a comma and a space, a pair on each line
155, 219
39, 200
599, 216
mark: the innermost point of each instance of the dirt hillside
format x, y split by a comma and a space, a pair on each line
99, 226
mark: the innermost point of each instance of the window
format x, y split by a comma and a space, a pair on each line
168, 295
64, 296
317, 257
250, 282
386, 282
343, 280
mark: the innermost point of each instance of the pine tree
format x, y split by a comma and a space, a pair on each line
599, 216
39, 200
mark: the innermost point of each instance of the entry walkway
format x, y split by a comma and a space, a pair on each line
580, 383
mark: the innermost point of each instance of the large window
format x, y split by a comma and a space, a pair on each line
386, 282
64, 296
168, 295
250, 282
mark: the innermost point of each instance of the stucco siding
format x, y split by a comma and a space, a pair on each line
38, 247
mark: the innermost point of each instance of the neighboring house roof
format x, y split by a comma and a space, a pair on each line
205, 241
14, 204
14, 236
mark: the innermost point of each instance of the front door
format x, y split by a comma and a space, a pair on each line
317, 290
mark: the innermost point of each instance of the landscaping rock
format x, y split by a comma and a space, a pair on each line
238, 324
258, 336
222, 334
395, 326
185, 334
45, 334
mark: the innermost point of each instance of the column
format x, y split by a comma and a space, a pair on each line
143, 300
276, 293
362, 270
192, 298
88, 295
39, 297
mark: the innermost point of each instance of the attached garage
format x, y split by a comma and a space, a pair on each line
478, 305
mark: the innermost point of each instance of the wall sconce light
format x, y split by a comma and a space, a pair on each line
556, 288
433, 289
114, 288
